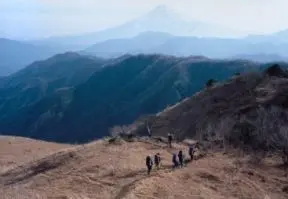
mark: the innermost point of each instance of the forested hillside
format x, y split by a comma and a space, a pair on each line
41, 79
119, 93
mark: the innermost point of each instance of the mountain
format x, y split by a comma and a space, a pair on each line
275, 38
59, 74
264, 58
248, 113
14, 55
119, 93
115, 47
218, 48
244, 109
160, 19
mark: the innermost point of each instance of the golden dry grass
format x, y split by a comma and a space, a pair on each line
18, 150
115, 171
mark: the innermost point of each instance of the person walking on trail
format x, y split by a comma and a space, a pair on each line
181, 158
170, 140
149, 164
157, 160
191, 152
175, 161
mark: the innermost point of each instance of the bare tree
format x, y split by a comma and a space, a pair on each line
115, 131
223, 130
270, 132
146, 122
279, 142
124, 130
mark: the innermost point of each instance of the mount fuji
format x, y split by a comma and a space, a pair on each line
160, 19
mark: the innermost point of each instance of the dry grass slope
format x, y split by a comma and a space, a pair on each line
17, 150
103, 170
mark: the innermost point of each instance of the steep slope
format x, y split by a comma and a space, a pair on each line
248, 107
121, 92
102, 170
14, 55
42, 79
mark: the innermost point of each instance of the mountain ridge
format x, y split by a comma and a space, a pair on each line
158, 19
15, 55
216, 48
125, 89
42, 78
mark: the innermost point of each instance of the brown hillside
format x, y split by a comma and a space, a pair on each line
114, 171
223, 106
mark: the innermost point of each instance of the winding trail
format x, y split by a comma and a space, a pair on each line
100, 170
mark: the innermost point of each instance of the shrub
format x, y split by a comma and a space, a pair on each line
210, 83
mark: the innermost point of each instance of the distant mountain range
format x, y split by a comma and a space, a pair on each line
163, 43
117, 47
160, 19
264, 58
160, 31
14, 55
71, 97
275, 38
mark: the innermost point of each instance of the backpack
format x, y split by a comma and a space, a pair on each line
191, 150
156, 159
148, 161
174, 159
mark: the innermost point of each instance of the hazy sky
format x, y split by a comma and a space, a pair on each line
42, 18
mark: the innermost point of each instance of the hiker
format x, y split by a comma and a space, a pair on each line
181, 158
157, 160
175, 161
149, 164
191, 152
170, 140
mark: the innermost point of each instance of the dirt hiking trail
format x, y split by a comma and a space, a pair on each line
117, 171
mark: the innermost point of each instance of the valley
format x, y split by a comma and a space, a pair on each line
89, 90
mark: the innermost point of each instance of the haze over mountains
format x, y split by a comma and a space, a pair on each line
15, 55
159, 31
160, 19
220, 48
217, 90
119, 74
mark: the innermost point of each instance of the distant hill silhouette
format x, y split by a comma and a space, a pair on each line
160, 19
14, 55
264, 58
125, 89
275, 38
163, 43
142, 42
